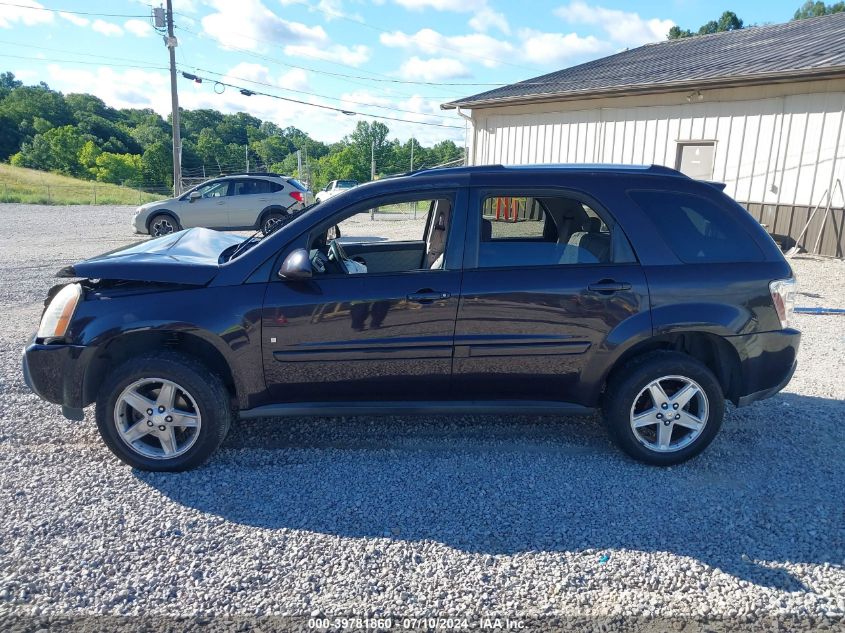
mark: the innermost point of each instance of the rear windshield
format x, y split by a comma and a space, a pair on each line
697, 230
297, 184
346, 184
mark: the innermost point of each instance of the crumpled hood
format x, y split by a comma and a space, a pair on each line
186, 257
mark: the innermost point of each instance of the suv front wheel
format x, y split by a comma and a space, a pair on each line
663, 408
166, 412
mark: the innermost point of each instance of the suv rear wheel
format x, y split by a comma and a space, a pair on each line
269, 221
166, 412
663, 408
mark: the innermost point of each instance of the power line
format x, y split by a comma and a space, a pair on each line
381, 78
96, 15
64, 50
321, 96
249, 93
77, 61
343, 77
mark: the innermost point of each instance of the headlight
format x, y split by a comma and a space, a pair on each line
58, 314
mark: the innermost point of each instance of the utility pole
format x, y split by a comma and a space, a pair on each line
412, 153
171, 43
246, 155
373, 160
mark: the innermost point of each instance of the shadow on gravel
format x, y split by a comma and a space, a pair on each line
767, 493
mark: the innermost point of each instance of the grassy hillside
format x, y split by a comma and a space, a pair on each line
18, 184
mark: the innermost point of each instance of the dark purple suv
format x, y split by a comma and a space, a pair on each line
540, 289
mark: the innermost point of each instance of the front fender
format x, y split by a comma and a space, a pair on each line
193, 318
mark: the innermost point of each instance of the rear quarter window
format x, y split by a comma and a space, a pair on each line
696, 229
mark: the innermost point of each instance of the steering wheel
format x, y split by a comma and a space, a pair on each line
338, 255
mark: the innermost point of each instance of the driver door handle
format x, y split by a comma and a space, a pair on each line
608, 286
428, 296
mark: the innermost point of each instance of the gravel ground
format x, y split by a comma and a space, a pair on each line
538, 519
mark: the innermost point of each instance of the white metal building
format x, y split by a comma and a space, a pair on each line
761, 109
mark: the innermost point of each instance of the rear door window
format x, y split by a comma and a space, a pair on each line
249, 187
519, 231
696, 229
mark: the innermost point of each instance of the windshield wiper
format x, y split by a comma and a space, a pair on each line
284, 220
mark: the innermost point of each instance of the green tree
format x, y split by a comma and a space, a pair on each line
55, 150
8, 81
25, 104
210, 148
812, 9
88, 157
157, 164
119, 168
728, 21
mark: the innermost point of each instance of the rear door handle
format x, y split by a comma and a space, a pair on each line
428, 296
607, 286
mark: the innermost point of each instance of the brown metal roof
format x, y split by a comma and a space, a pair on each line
802, 49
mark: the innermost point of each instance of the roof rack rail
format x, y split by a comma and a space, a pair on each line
255, 173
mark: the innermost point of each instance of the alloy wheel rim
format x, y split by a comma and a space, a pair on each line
157, 418
162, 227
269, 223
669, 414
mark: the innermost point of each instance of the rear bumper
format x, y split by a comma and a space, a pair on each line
56, 373
768, 361
767, 393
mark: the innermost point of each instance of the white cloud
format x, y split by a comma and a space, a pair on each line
295, 79
140, 28
107, 28
434, 69
74, 19
249, 24
463, 6
555, 49
486, 18
352, 55
622, 27
490, 51
414, 109
12, 15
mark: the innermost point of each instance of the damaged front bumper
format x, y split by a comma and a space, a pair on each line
55, 373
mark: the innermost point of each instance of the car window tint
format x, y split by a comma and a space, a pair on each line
541, 231
275, 186
696, 229
249, 187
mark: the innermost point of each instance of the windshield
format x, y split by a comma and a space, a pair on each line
346, 184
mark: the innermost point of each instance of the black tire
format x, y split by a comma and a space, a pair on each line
163, 224
623, 399
269, 220
206, 389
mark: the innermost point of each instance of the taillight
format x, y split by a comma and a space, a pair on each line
296, 195
783, 297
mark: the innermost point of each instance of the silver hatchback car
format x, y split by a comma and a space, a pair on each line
237, 202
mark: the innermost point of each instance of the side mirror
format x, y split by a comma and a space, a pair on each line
297, 266
194, 195
333, 233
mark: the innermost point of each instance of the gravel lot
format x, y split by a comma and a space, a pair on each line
533, 518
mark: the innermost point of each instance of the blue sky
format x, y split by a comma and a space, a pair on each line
396, 58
